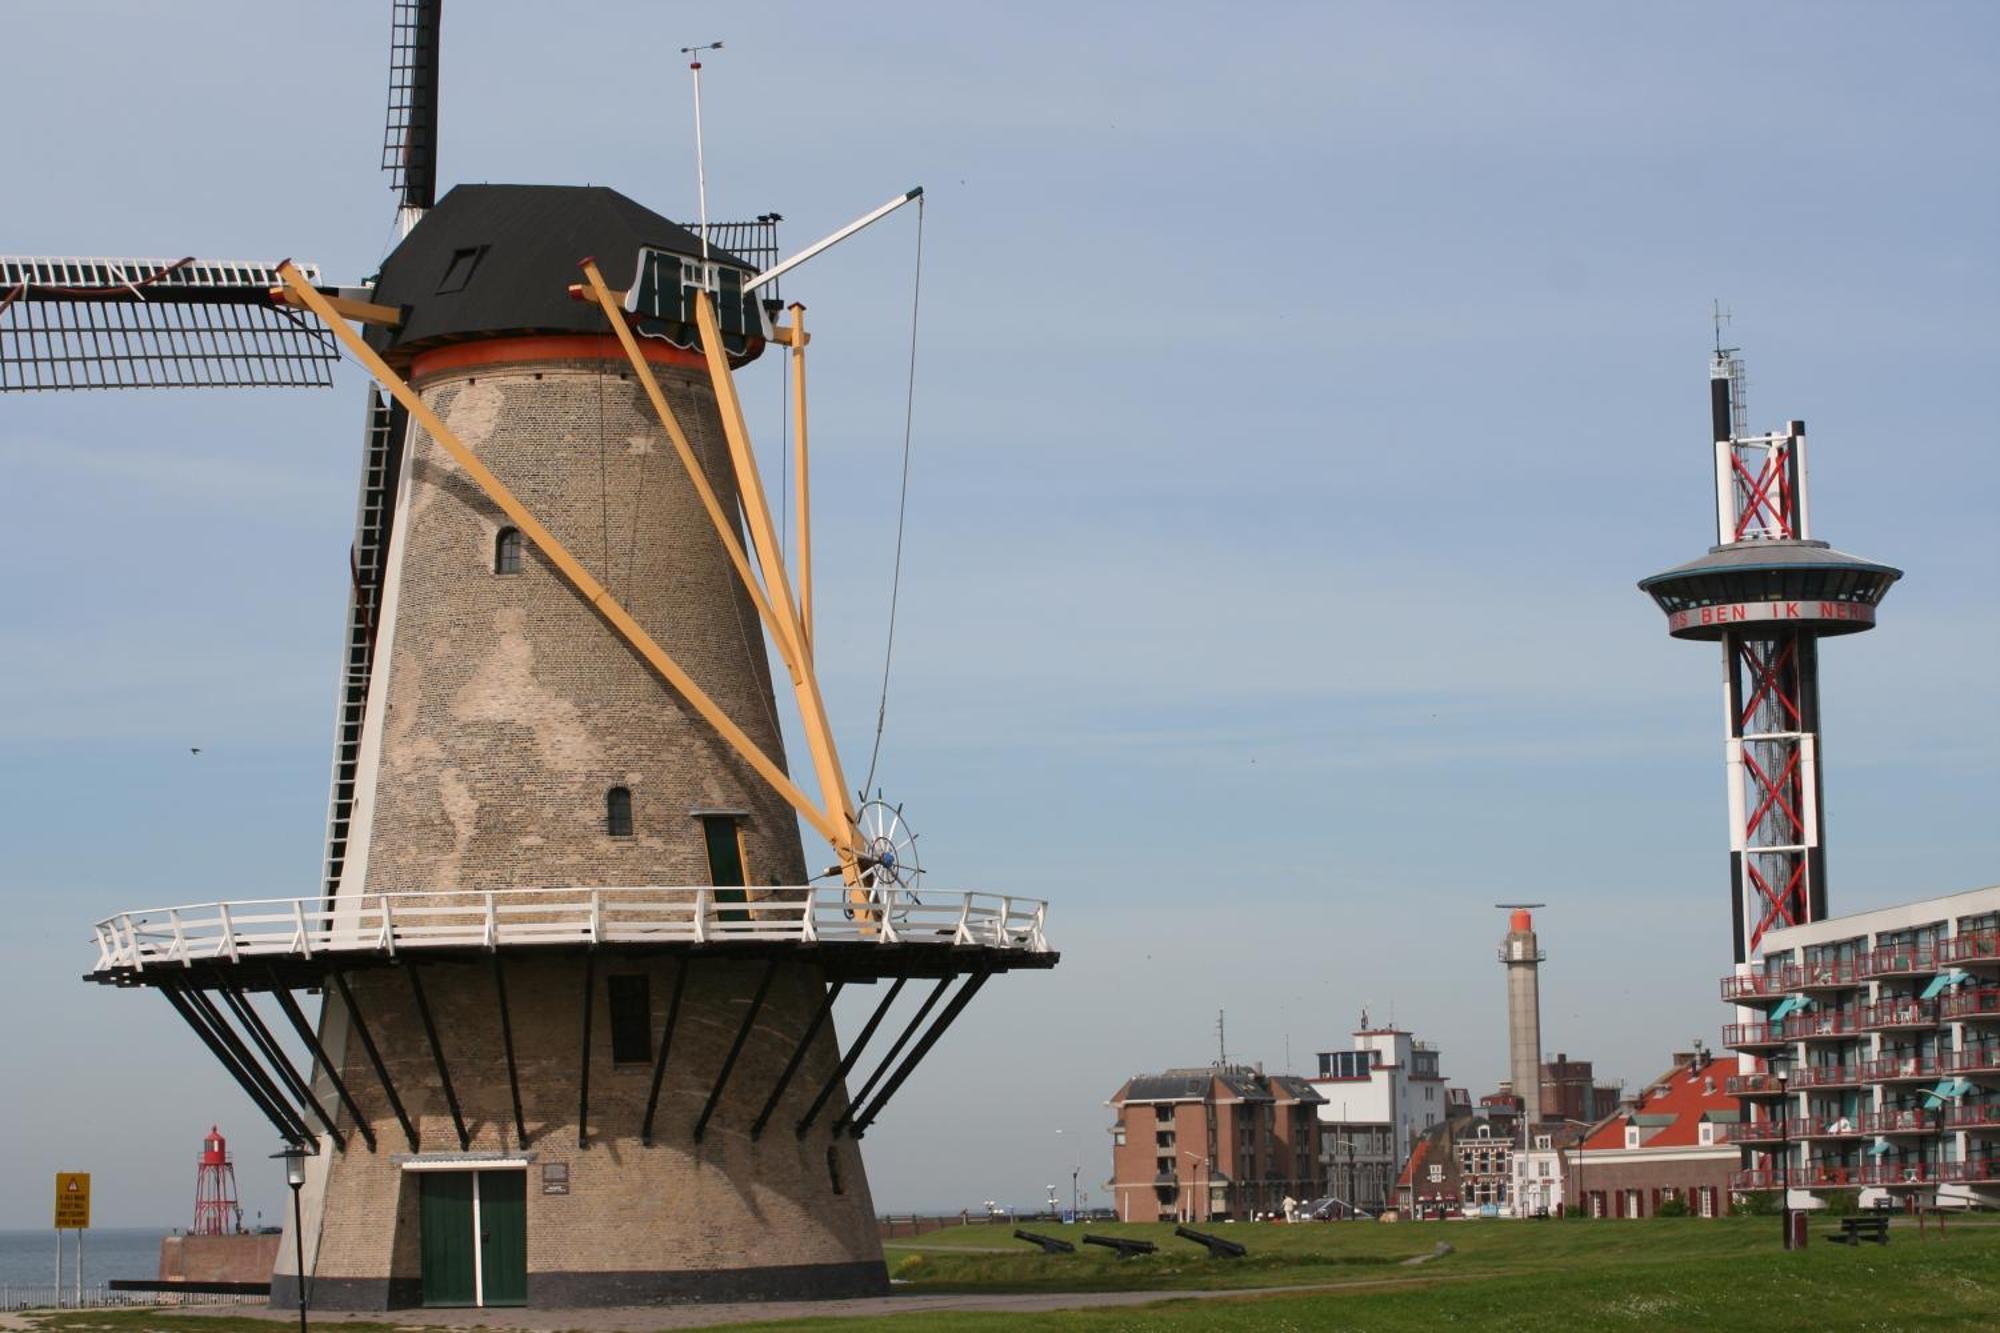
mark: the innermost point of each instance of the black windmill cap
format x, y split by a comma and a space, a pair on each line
497, 260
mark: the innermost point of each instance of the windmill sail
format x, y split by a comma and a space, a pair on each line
409, 142
102, 323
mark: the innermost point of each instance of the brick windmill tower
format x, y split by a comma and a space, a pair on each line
576, 1043
1768, 593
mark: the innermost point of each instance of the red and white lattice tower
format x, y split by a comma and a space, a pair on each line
1768, 593
216, 1212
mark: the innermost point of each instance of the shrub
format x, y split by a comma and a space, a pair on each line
1763, 1203
1841, 1202
1671, 1208
909, 1266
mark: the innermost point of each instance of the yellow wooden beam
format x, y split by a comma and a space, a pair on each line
367, 312
791, 335
804, 504
595, 593
750, 485
780, 627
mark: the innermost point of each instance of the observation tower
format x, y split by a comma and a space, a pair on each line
1768, 593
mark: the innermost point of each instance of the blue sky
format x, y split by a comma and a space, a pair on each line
1302, 389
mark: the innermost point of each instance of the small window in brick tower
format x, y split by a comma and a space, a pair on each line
631, 1020
507, 551
726, 869
618, 812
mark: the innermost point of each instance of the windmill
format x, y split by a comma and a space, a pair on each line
575, 1041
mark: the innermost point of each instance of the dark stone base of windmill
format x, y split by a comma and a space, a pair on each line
554, 1291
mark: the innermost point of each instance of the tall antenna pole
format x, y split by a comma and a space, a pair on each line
700, 168
1221, 1041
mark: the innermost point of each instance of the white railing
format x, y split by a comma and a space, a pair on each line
387, 923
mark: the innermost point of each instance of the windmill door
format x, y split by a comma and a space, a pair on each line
474, 1237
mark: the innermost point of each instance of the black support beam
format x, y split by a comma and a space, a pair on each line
666, 1044
297, 1019
798, 1057
437, 1057
847, 1061
889, 1060
201, 1004
944, 1020
286, 1129
583, 1076
736, 1048
507, 1045
375, 1059
281, 1064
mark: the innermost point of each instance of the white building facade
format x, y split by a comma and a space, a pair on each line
1381, 1096
1870, 1053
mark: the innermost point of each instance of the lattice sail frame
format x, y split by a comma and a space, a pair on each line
125, 323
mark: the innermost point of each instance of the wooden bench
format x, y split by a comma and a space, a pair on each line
1854, 1230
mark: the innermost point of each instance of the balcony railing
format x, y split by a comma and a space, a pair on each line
1975, 946
1981, 1059
1828, 1127
1826, 1076
1764, 1084
1972, 1006
1901, 1068
1756, 986
1902, 960
1907, 1175
1801, 1178
1758, 1131
388, 923
1977, 1171
1832, 1025
1842, 974
1899, 1013
1974, 1118
1906, 1121
1747, 1036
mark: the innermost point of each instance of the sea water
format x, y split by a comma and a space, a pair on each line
28, 1258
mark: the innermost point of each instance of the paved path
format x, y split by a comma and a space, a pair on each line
642, 1319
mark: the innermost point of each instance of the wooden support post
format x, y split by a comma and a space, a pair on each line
847, 1061
750, 486
666, 1044
798, 1058
725, 529
437, 1057
311, 1038
803, 505
581, 579
375, 1059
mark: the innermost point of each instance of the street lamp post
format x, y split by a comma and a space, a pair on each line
1200, 1161
1075, 1171
1785, 1154
295, 1176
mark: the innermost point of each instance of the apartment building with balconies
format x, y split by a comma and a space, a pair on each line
1869, 1053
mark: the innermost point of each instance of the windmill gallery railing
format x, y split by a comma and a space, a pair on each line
388, 923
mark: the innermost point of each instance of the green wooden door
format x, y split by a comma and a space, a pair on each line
503, 1237
725, 863
445, 1237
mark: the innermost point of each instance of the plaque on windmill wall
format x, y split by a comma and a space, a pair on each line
555, 1177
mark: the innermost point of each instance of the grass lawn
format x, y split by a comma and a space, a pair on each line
1655, 1274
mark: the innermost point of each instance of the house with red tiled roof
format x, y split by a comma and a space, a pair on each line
1671, 1142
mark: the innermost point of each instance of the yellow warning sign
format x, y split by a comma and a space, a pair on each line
72, 1201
